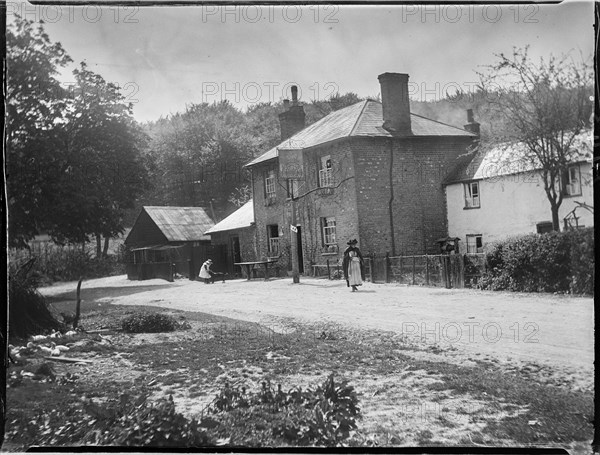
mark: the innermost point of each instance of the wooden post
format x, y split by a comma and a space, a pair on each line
387, 267
78, 305
426, 270
328, 270
294, 246
414, 264
400, 267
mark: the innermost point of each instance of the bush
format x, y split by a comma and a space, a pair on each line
149, 323
129, 422
552, 262
324, 416
29, 313
56, 263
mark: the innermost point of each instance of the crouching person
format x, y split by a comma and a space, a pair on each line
206, 273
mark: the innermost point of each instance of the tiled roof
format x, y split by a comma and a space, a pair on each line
181, 224
241, 218
363, 119
508, 159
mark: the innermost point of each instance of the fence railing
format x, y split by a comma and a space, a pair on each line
450, 271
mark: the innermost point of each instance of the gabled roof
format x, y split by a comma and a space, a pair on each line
181, 224
241, 218
363, 119
508, 159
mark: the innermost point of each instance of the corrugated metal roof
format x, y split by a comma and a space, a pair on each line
181, 224
508, 159
359, 120
241, 218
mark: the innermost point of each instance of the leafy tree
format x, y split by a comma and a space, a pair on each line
105, 176
547, 108
34, 107
73, 162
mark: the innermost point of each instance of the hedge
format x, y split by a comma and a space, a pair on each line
552, 262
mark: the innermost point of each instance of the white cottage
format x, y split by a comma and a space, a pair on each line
498, 194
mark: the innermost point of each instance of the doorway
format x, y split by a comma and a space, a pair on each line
300, 255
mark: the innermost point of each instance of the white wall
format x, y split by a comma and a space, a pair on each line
511, 205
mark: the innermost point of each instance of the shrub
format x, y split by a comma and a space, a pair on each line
68, 263
129, 422
149, 323
324, 416
552, 262
29, 313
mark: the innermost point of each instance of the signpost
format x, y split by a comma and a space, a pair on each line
291, 167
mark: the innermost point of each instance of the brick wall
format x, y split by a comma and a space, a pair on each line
247, 245
416, 169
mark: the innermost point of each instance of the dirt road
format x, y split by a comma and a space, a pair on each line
541, 328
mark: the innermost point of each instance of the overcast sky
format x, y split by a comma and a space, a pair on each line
165, 57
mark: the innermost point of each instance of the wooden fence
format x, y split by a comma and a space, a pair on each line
450, 271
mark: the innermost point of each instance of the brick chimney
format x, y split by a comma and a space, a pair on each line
292, 119
472, 126
396, 105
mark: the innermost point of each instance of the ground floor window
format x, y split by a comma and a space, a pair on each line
273, 239
543, 227
328, 224
474, 243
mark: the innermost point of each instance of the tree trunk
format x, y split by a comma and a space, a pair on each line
98, 246
105, 250
555, 219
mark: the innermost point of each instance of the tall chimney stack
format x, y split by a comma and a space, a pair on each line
292, 119
396, 105
472, 126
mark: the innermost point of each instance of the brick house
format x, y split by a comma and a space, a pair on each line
499, 193
371, 171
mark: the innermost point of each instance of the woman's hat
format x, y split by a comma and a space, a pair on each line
352, 242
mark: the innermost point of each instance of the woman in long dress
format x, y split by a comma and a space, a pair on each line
353, 264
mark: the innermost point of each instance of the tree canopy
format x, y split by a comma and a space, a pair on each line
73, 157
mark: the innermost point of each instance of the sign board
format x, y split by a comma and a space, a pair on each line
293, 228
291, 164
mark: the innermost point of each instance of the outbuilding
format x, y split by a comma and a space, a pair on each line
169, 241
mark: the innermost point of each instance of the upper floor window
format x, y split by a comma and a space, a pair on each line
325, 172
270, 183
471, 195
474, 243
328, 224
571, 181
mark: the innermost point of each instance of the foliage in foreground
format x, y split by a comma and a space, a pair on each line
29, 313
149, 323
324, 416
552, 262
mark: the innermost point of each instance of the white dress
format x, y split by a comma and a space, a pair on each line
354, 276
204, 270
